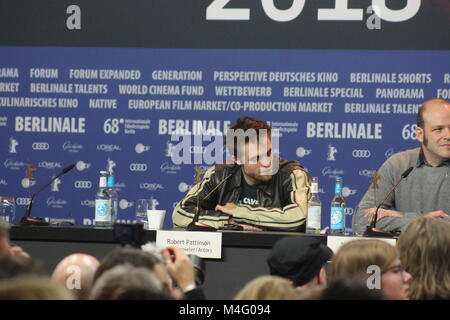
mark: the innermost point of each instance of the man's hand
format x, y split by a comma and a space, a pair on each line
436, 214
368, 213
179, 266
227, 208
245, 226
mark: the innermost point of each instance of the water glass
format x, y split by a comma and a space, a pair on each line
142, 205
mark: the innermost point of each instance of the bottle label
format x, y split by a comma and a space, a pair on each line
313, 220
337, 218
111, 182
103, 182
338, 188
102, 210
314, 187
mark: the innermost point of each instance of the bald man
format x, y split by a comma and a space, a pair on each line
76, 273
425, 192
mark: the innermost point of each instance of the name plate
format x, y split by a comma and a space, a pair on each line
335, 242
203, 244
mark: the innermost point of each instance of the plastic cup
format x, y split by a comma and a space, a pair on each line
155, 219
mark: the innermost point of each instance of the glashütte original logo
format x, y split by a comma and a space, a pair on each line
56, 203
389, 152
72, 147
332, 173
170, 169
13, 164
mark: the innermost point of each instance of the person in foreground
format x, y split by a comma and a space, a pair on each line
76, 273
424, 248
301, 260
259, 191
425, 191
376, 263
267, 288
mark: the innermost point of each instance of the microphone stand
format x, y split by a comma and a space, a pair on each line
30, 221
372, 230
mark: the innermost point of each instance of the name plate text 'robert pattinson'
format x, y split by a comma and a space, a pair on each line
202, 244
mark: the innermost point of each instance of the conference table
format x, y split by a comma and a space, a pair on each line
244, 253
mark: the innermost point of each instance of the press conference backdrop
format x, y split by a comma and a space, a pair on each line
107, 84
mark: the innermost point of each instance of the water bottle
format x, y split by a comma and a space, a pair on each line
112, 192
313, 221
337, 225
103, 206
7, 210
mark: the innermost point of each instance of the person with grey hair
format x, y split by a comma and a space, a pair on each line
424, 193
127, 282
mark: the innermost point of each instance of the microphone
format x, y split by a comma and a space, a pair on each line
371, 230
193, 226
29, 221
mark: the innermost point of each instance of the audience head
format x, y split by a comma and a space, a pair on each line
433, 118
361, 259
14, 266
301, 260
268, 288
76, 273
137, 258
126, 282
424, 248
350, 289
122, 255
4, 239
32, 287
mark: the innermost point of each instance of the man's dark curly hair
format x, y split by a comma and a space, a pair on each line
244, 123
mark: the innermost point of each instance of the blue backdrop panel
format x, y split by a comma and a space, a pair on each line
108, 118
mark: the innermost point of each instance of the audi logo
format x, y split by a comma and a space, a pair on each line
138, 167
40, 146
349, 211
197, 149
80, 184
23, 201
361, 154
